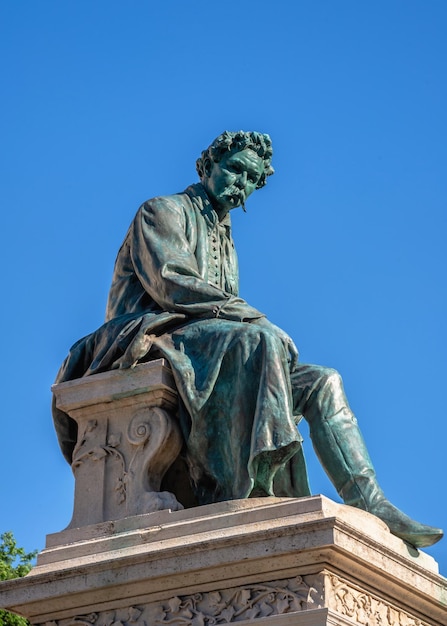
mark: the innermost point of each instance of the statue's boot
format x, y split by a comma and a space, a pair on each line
341, 449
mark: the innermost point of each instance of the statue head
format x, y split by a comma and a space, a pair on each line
233, 166
229, 141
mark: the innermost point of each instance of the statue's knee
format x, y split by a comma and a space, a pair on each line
245, 339
331, 379
253, 340
327, 396
255, 335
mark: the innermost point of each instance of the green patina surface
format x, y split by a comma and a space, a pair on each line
242, 391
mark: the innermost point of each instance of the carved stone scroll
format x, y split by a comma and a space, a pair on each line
128, 437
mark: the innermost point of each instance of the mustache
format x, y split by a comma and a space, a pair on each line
235, 192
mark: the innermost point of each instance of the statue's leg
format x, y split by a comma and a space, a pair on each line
238, 426
319, 396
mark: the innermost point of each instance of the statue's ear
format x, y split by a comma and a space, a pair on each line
207, 166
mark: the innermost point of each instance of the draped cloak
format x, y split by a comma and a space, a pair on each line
174, 294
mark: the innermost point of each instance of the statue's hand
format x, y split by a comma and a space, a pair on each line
292, 350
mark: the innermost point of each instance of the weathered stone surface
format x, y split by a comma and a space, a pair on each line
127, 438
278, 560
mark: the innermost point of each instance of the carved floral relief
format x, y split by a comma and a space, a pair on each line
255, 602
364, 608
249, 602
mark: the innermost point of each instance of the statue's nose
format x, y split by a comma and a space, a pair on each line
242, 179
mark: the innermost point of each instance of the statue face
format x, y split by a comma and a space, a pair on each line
230, 182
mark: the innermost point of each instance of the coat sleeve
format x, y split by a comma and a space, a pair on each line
167, 268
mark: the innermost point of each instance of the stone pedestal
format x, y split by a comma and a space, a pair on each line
273, 561
127, 438
125, 562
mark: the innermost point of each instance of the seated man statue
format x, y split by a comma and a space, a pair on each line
241, 389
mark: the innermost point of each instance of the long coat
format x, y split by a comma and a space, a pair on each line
174, 294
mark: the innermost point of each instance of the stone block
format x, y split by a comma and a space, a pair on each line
306, 561
127, 439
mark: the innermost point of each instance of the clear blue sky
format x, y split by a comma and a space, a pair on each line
105, 104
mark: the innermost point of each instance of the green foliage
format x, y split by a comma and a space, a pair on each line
11, 619
14, 563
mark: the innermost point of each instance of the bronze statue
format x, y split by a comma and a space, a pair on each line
242, 391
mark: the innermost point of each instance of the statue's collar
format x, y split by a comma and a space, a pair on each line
199, 197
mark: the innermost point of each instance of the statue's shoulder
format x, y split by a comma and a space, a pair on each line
180, 199
182, 208
164, 206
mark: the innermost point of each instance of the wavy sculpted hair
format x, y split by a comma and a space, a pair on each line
236, 141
